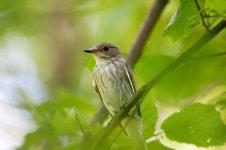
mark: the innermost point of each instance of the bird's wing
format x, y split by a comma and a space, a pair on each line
97, 90
131, 81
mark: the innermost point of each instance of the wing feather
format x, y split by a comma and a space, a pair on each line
132, 84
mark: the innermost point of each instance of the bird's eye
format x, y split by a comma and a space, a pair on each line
106, 48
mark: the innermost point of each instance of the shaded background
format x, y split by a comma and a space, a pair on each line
45, 76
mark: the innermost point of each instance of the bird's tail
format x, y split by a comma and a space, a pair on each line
134, 129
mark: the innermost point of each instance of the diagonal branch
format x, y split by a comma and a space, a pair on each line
138, 97
145, 31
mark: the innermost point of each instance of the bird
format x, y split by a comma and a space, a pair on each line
114, 82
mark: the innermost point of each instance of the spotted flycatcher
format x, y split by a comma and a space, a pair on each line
114, 82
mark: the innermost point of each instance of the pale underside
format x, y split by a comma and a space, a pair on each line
115, 85
114, 82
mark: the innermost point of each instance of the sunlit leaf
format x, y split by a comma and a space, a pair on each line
186, 16
198, 124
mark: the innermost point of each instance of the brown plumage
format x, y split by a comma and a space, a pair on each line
114, 82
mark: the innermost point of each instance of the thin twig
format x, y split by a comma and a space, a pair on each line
148, 25
142, 92
202, 14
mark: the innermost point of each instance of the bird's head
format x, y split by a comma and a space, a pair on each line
104, 51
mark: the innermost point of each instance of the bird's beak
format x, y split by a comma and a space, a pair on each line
89, 50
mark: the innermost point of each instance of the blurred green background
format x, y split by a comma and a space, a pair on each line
46, 93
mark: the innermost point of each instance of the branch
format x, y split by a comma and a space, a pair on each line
137, 48
138, 97
148, 26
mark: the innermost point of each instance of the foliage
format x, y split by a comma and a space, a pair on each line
189, 14
184, 19
202, 127
195, 91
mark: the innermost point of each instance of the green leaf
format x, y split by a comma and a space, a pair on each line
186, 16
198, 124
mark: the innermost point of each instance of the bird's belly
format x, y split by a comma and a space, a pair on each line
114, 90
